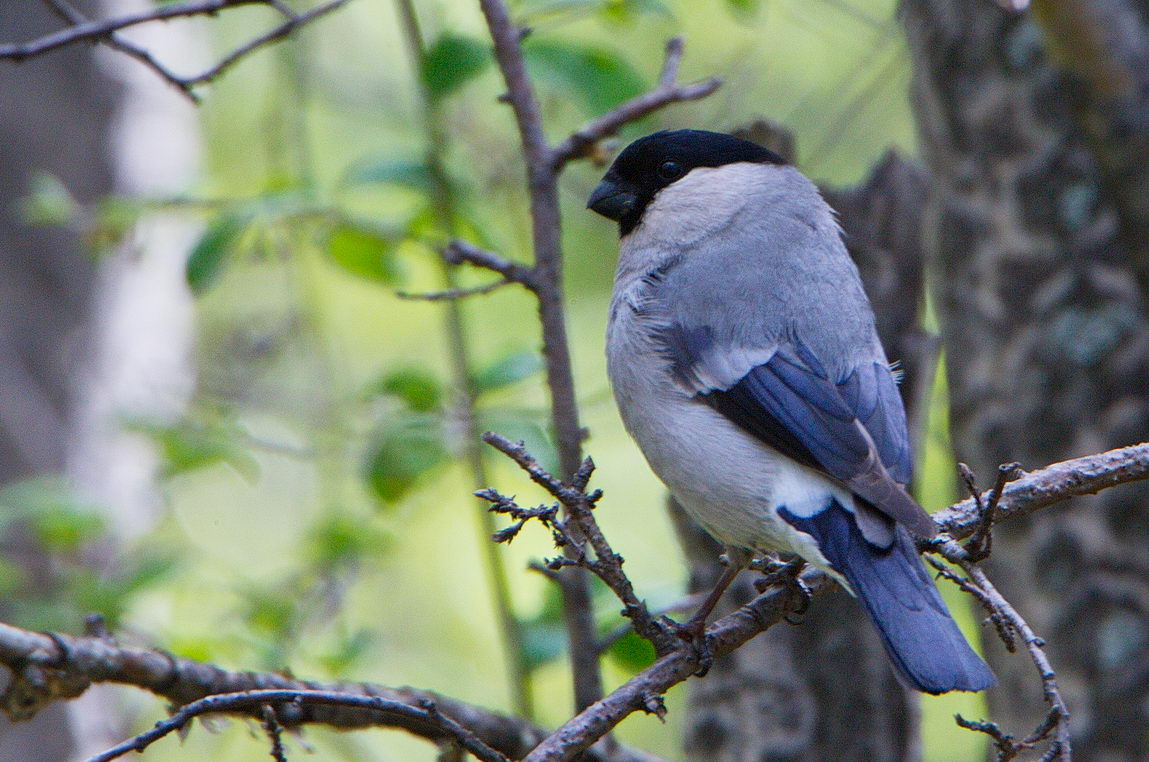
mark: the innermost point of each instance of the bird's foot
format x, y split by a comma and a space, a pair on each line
693, 631
778, 572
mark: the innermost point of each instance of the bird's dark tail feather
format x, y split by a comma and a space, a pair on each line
927, 649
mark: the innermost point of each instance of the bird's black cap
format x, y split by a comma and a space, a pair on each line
651, 163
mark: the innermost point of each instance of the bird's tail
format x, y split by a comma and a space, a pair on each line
928, 651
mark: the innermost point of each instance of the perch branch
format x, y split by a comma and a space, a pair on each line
1030, 492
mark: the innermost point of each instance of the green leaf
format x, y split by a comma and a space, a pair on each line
207, 258
632, 652
544, 635
65, 528
364, 252
627, 11
403, 452
405, 173
507, 371
450, 62
744, 8
49, 202
597, 77
343, 539
419, 389
192, 446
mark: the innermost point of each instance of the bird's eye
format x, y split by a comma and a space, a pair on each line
670, 170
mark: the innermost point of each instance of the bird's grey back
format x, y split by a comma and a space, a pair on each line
771, 266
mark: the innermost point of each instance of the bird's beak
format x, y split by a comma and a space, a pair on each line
611, 200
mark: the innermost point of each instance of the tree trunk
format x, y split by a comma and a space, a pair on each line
1045, 328
55, 117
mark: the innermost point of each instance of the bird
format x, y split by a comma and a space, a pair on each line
744, 360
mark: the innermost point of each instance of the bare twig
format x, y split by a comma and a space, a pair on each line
83, 29
98, 30
547, 280
458, 252
1007, 619
605, 563
1053, 484
293, 22
117, 41
582, 143
274, 731
290, 703
981, 543
451, 294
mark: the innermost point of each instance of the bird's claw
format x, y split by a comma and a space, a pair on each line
693, 631
787, 574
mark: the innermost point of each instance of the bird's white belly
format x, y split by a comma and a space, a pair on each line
729, 482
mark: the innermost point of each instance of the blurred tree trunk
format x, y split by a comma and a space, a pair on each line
783, 696
55, 117
1036, 133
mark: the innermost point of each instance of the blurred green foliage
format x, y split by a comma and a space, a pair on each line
315, 505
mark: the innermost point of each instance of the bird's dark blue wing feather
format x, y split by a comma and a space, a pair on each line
853, 429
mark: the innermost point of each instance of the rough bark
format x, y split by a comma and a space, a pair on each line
54, 118
782, 696
1048, 343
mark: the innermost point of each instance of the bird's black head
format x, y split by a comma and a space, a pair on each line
650, 164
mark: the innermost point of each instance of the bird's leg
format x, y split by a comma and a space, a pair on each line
694, 629
776, 571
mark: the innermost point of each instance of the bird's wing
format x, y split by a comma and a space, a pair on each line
852, 429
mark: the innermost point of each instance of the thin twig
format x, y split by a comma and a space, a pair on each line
293, 22
458, 252
1057, 721
97, 30
83, 29
546, 281
452, 294
274, 732
289, 702
117, 41
606, 564
582, 143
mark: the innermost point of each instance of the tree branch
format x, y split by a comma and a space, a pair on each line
293, 22
284, 705
95, 31
1039, 489
1053, 484
546, 276
83, 29
75, 17
582, 143
458, 252
50, 667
